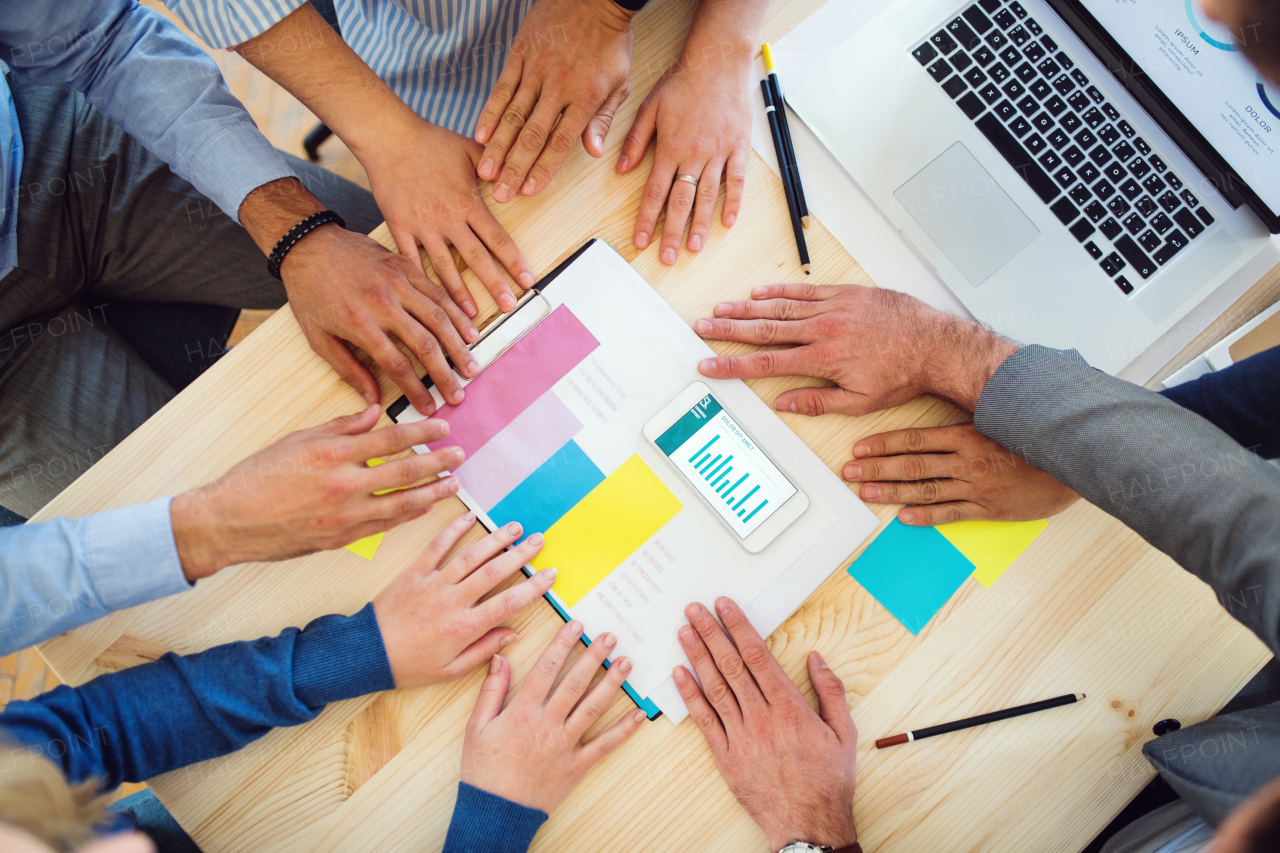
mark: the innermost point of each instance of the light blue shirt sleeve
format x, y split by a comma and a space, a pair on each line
60, 574
136, 67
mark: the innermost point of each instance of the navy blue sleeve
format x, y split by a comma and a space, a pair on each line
486, 823
131, 725
1243, 401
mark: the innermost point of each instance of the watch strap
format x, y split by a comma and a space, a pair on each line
855, 847
296, 233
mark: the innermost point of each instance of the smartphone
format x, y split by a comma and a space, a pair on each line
726, 467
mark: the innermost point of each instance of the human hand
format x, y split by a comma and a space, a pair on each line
881, 348
344, 286
952, 473
434, 625
791, 769
700, 112
571, 61
531, 752
424, 179
311, 491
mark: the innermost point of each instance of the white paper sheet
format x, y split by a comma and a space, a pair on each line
647, 356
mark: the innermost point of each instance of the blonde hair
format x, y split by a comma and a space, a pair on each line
36, 797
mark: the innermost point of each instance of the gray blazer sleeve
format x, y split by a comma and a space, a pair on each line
1174, 478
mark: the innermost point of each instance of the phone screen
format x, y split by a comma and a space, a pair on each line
725, 466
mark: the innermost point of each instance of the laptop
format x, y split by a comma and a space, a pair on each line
1080, 173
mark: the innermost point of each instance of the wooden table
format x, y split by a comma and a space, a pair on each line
1089, 607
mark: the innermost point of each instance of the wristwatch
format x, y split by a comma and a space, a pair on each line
806, 847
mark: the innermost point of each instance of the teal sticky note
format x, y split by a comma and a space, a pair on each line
911, 571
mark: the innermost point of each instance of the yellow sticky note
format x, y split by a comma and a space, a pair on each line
606, 527
368, 546
991, 546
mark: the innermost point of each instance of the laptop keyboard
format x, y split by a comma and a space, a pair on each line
1071, 145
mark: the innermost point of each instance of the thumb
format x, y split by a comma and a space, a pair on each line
637, 141
820, 401
598, 128
492, 692
833, 706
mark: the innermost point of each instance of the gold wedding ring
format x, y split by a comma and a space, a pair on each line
688, 179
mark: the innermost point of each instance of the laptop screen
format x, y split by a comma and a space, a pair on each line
1197, 66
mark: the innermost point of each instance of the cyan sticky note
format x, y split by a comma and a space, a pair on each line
911, 571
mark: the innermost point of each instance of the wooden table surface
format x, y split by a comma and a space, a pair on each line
1089, 607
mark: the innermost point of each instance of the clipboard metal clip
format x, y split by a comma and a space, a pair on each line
502, 335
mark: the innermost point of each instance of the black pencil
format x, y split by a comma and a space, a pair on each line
776, 129
789, 149
979, 720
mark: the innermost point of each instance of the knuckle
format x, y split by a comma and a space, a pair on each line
950, 514
717, 692
755, 654
732, 666
561, 143
548, 667
913, 468
930, 492
766, 332
914, 440
655, 193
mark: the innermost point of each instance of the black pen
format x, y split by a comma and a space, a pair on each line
771, 74
771, 109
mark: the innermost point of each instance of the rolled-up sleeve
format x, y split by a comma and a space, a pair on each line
141, 70
227, 23
57, 575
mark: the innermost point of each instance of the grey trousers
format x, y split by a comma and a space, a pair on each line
102, 223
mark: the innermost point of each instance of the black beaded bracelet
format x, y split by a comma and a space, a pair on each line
296, 233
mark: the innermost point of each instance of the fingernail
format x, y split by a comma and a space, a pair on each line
668, 256
513, 529
486, 165
642, 240
784, 405
639, 716
495, 664
610, 641
707, 366
482, 135
548, 573
679, 675
906, 516
623, 162
528, 187
506, 302
730, 219
458, 397
685, 634
723, 308
575, 627
458, 455
469, 308
695, 243
722, 605
818, 658
452, 488
534, 540
870, 492
501, 192
852, 472
624, 666
508, 640
598, 140
702, 327
526, 279
861, 450
473, 366
760, 291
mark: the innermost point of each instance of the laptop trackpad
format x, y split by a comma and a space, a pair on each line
966, 214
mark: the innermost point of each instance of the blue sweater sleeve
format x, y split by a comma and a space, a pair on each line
1243, 401
132, 725
486, 823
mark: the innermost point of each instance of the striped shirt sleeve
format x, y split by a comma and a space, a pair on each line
227, 23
